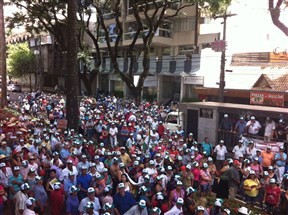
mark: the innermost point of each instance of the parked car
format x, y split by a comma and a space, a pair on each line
14, 87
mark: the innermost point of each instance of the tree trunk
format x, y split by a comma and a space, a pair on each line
3, 57
30, 81
88, 81
136, 93
72, 73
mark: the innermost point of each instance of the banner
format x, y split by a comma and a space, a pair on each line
262, 145
267, 99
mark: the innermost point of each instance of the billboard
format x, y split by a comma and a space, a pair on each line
267, 99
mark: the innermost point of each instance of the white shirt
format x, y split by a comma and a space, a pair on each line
239, 151
99, 167
220, 152
251, 152
83, 204
253, 128
174, 211
20, 202
28, 212
5, 176
269, 128
65, 173
113, 131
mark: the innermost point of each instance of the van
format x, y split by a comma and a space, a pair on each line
173, 120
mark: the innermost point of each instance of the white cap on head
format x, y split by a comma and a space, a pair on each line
180, 201
30, 201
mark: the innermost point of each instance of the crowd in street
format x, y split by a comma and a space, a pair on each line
122, 160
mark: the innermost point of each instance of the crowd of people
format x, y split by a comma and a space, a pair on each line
122, 160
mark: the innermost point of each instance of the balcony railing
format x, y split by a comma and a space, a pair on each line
166, 64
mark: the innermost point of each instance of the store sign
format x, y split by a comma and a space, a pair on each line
279, 55
266, 98
151, 81
194, 80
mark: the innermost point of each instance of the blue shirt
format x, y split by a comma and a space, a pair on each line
123, 203
72, 204
40, 194
85, 182
64, 154
67, 184
16, 187
279, 162
207, 147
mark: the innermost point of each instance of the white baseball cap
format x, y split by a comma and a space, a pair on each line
180, 201
30, 201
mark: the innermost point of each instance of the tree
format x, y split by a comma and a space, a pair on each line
275, 13
149, 15
3, 57
51, 16
21, 61
72, 81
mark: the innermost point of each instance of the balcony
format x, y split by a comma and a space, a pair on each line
164, 66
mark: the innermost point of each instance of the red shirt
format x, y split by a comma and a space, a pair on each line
272, 195
196, 173
1, 197
57, 201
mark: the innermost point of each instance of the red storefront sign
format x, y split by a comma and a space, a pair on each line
267, 99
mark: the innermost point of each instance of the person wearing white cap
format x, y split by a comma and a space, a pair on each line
68, 169
99, 165
15, 181
20, 199
113, 131
57, 197
84, 181
90, 198
272, 195
240, 126
4, 149
243, 211
269, 129
190, 202
225, 128
139, 209
220, 151
280, 162
125, 157
177, 208
84, 162
253, 126
30, 205
152, 171
40, 194
267, 157
175, 194
239, 150
72, 202
251, 187
123, 201
5, 174
200, 210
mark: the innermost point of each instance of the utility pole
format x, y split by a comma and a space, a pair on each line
223, 57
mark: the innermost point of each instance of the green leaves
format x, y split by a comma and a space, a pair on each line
214, 7
21, 60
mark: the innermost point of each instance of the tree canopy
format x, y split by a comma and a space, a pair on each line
51, 16
21, 60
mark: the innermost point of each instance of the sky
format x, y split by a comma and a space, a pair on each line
252, 28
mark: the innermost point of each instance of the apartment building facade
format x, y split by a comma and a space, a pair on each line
175, 55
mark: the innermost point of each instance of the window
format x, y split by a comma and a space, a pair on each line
185, 24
